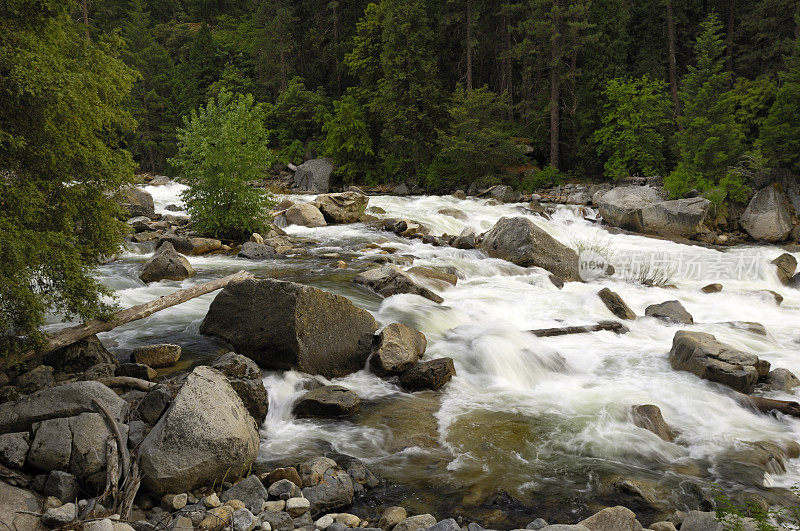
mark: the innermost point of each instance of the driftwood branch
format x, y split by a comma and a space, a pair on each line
612, 326
127, 382
121, 443
765, 405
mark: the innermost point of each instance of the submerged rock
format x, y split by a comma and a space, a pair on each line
521, 242
166, 263
433, 374
649, 418
671, 311
398, 348
700, 353
283, 325
204, 436
615, 304
786, 265
328, 401
391, 280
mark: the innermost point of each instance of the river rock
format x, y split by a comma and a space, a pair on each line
334, 491
344, 207
786, 265
250, 491
681, 217
391, 280
90, 433
60, 516
505, 194
154, 403
313, 470
781, 380
51, 446
447, 524
314, 175
256, 251
289, 473
283, 325
465, 240
671, 311
157, 356
712, 288
622, 206
649, 418
137, 202
254, 396
767, 217
204, 436
278, 521
415, 523
391, 517
137, 370
36, 379
700, 353
520, 241
579, 197
13, 500
453, 213
304, 214
190, 246
166, 263
62, 485
14, 449
618, 518
79, 356
327, 401
433, 374
398, 348
297, 506
434, 274
235, 365
615, 304
283, 489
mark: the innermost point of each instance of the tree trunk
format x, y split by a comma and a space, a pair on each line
555, 85
469, 46
612, 326
86, 18
766, 405
73, 334
673, 77
729, 51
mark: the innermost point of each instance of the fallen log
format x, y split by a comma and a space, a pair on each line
612, 326
765, 405
73, 334
127, 382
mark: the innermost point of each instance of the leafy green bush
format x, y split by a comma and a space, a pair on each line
222, 149
347, 141
296, 113
547, 177
294, 153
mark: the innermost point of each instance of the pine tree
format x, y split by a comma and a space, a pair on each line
780, 135
709, 141
61, 131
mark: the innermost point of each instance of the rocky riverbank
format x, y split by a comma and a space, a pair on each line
195, 433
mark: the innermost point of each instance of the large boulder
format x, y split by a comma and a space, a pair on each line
166, 263
187, 245
618, 518
398, 348
90, 433
700, 353
767, 216
431, 374
505, 194
681, 217
333, 491
283, 325
670, 311
304, 214
314, 175
327, 401
522, 242
205, 436
786, 265
137, 202
79, 356
66, 400
157, 356
256, 251
345, 207
622, 206
391, 280
18, 508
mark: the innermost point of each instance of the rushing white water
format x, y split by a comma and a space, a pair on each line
524, 414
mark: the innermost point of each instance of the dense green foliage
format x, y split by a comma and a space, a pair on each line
61, 121
636, 125
221, 150
347, 141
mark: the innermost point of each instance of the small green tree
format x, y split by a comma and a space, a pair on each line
347, 141
636, 121
222, 149
474, 143
296, 113
709, 140
780, 134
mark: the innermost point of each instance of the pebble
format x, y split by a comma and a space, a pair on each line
182, 522
211, 501
51, 502
59, 516
324, 522
350, 520
297, 506
99, 525
536, 524
391, 517
274, 506
235, 504
174, 502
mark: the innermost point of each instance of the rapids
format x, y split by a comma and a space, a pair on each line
543, 420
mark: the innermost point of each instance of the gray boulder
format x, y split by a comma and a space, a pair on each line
79, 356
786, 265
256, 251
137, 202
205, 435
622, 206
671, 311
767, 216
505, 194
781, 380
66, 400
314, 175
62, 485
522, 242
433, 374
157, 356
284, 489
615, 304
618, 518
700, 353
235, 365
649, 417
681, 217
283, 325
250, 491
15, 503
327, 401
36, 379
90, 433
466, 240
415, 523
334, 491
344, 207
391, 280
154, 403
254, 396
51, 446
448, 524
304, 214
398, 348
14, 449
579, 197
166, 263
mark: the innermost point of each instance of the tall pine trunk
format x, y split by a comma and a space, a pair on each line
729, 43
555, 85
86, 18
469, 46
673, 77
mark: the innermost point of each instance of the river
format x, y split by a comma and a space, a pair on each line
527, 422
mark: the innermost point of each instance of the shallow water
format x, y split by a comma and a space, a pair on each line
543, 420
